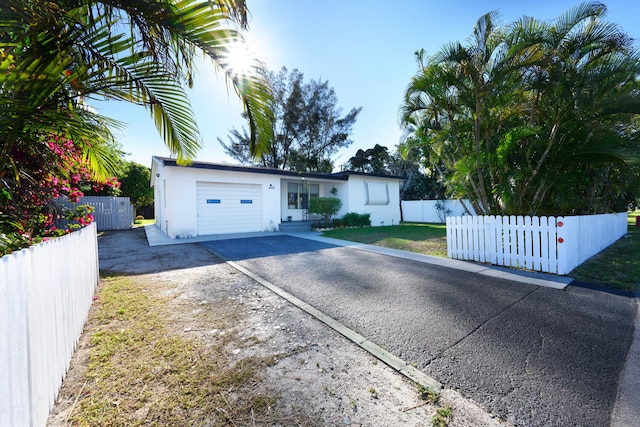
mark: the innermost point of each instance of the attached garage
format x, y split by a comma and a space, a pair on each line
228, 207
203, 199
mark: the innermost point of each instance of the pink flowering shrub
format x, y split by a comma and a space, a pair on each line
28, 208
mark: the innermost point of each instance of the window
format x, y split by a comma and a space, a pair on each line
376, 193
293, 195
299, 193
164, 191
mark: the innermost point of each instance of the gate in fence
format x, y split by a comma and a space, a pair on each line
111, 213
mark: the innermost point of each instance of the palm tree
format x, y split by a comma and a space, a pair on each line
55, 53
455, 105
580, 78
534, 117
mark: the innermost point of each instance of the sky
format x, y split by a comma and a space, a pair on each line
363, 48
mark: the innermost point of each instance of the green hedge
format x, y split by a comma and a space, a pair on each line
353, 219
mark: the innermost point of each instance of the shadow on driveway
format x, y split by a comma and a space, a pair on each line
259, 247
534, 356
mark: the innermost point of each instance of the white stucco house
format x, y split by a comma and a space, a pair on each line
210, 198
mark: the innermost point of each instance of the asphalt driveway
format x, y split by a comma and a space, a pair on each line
533, 356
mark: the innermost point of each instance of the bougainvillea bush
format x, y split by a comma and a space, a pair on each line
30, 210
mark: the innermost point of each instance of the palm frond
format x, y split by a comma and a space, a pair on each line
203, 25
571, 20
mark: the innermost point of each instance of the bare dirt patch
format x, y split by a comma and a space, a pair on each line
305, 373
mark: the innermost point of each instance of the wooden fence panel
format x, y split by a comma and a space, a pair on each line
548, 244
494, 246
529, 255
45, 295
111, 213
14, 389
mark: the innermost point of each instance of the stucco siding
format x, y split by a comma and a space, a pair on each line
180, 215
381, 214
182, 193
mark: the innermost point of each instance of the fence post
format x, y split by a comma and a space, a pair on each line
561, 245
532, 229
467, 235
14, 352
482, 239
500, 240
520, 243
450, 233
459, 237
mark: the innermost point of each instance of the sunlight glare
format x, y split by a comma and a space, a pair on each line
240, 59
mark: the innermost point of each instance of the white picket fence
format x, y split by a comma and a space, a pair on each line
111, 213
549, 244
45, 295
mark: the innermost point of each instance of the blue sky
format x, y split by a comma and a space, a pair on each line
365, 49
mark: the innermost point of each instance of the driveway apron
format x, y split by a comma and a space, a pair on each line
533, 356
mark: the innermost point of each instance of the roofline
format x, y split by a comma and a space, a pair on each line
374, 175
338, 176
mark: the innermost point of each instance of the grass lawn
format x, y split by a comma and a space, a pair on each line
143, 222
430, 239
618, 266
143, 370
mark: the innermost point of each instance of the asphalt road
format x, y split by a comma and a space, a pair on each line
533, 356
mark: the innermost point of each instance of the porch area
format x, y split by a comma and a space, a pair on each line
294, 202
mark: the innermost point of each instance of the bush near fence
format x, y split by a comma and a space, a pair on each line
548, 244
45, 295
111, 213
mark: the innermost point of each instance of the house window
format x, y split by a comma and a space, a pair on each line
299, 193
376, 193
164, 191
293, 195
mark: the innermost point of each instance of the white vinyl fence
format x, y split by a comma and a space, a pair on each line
111, 213
549, 244
45, 295
433, 210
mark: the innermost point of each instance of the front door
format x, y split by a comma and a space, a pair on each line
298, 195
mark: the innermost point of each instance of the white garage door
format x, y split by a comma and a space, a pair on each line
229, 208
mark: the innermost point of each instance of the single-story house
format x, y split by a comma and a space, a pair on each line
210, 198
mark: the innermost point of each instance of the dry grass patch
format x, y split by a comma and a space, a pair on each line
142, 371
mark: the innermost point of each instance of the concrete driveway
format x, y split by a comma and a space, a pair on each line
532, 355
